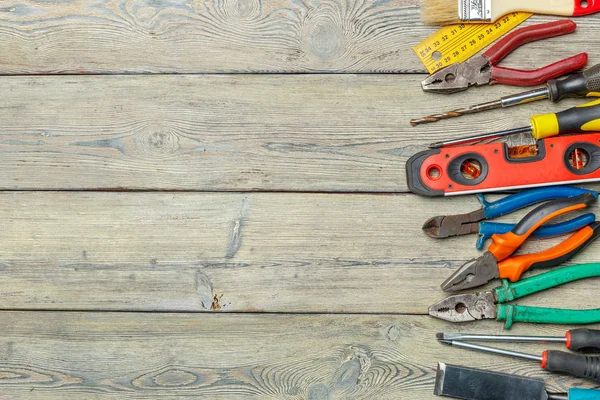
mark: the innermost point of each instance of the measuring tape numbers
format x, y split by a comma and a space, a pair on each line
458, 43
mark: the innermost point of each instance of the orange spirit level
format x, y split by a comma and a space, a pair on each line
450, 171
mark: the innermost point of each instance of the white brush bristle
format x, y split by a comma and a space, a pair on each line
439, 12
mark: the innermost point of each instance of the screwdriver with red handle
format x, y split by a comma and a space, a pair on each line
585, 340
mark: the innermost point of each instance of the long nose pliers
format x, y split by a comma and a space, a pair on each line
446, 226
497, 262
490, 305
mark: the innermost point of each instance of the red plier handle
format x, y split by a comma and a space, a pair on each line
522, 36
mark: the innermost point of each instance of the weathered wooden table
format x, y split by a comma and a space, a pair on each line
207, 199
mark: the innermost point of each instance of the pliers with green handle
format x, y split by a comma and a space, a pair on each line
490, 305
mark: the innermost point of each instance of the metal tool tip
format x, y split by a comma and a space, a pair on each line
444, 341
472, 274
432, 226
439, 379
439, 336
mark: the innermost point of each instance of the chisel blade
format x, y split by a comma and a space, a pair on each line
476, 384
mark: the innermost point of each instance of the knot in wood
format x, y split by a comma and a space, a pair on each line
175, 378
158, 144
325, 38
244, 9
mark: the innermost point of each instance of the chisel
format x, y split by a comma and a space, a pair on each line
578, 85
580, 119
477, 384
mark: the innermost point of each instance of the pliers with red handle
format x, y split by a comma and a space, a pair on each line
483, 70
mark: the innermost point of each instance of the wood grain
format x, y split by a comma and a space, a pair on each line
235, 252
183, 36
227, 133
175, 356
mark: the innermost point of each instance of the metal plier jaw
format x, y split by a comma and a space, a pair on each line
454, 225
465, 307
459, 76
474, 273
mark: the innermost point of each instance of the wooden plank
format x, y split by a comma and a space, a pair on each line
175, 356
234, 252
224, 133
76, 36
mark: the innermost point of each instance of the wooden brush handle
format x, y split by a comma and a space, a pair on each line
550, 7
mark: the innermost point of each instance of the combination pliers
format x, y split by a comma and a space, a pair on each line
483, 70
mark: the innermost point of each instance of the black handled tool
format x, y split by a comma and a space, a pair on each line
578, 85
581, 366
584, 340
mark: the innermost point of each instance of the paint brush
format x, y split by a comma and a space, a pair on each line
447, 12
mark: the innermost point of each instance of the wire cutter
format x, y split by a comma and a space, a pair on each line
490, 305
483, 70
496, 261
446, 226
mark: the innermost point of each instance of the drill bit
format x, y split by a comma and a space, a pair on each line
507, 101
492, 105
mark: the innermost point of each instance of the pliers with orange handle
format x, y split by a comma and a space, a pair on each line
497, 262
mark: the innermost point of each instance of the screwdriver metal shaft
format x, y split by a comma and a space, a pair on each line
492, 350
580, 119
501, 338
479, 138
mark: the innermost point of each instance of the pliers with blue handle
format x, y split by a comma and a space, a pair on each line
456, 225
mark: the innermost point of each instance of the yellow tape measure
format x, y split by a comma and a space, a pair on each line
458, 43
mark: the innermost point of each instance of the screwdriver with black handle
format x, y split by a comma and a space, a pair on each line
578, 85
580, 119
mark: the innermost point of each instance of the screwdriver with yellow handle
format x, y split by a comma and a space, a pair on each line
582, 84
580, 119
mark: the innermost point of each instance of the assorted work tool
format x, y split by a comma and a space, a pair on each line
497, 263
490, 305
581, 366
476, 384
483, 69
445, 12
555, 149
583, 84
496, 167
445, 226
583, 118
585, 340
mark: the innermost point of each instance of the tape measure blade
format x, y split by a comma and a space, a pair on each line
458, 43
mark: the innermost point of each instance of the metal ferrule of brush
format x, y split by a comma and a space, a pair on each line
475, 10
